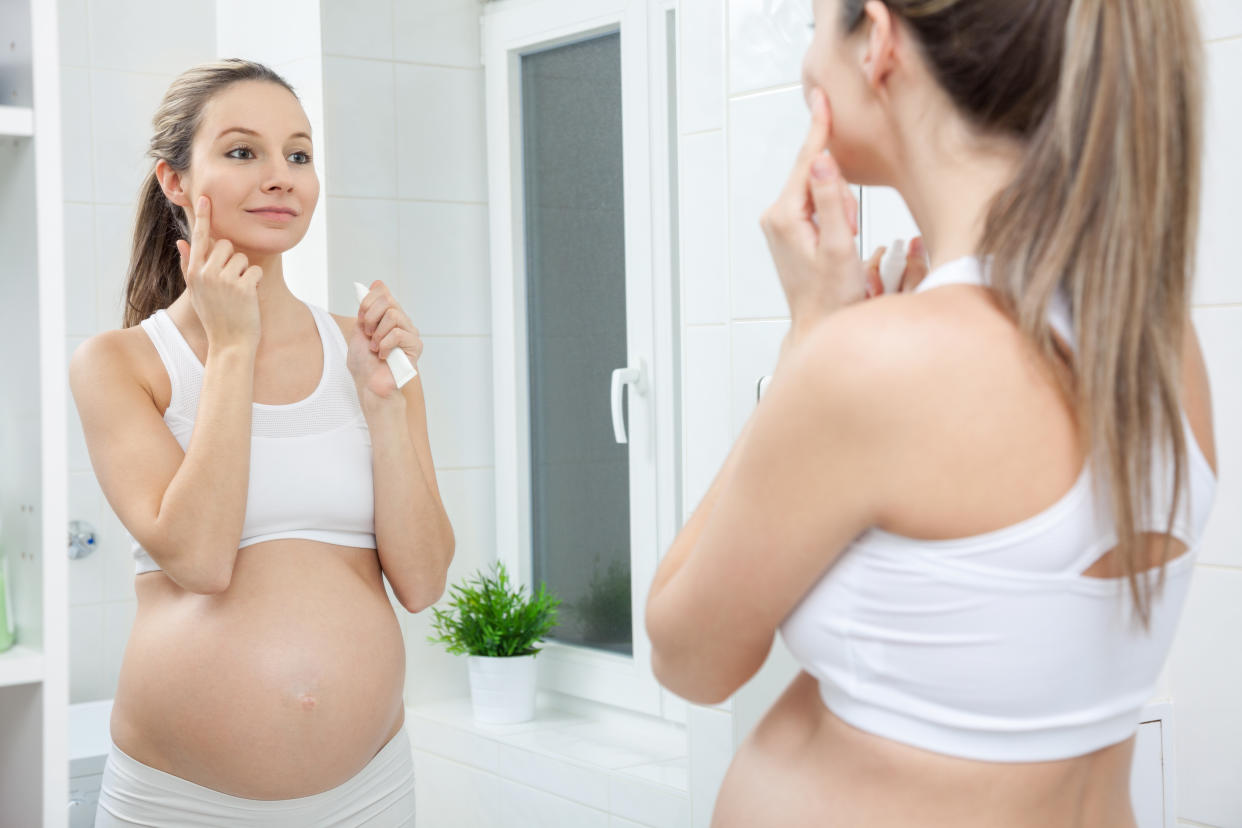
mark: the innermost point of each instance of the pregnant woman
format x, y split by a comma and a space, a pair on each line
970, 508
271, 475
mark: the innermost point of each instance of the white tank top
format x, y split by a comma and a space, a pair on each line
310, 461
995, 647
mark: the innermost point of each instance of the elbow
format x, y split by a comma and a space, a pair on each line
695, 687
431, 589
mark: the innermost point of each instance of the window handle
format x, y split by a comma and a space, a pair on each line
636, 378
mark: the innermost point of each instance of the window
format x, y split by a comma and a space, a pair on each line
581, 156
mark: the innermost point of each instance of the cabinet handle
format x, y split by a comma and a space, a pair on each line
636, 378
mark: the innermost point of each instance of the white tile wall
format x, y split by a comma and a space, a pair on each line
149, 36
1220, 18
701, 66
444, 266
704, 228
767, 39
361, 125
1218, 329
1216, 281
440, 133
437, 32
706, 433
122, 105
358, 28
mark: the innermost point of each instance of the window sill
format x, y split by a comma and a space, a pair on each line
624, 764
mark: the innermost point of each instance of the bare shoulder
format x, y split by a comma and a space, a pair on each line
346, 323
109, 356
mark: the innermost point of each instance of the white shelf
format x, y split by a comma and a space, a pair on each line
17, 121
20, 665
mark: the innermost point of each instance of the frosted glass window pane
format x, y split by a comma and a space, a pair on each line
575, 283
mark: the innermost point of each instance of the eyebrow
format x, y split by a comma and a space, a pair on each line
252, 132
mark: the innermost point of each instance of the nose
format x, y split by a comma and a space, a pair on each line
276, 177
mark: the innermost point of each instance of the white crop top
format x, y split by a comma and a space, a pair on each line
310, 461
995, 647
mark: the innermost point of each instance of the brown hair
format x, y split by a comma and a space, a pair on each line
1107, 96
154, 280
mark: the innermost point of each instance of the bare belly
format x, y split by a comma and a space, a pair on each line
284, 685
802, 767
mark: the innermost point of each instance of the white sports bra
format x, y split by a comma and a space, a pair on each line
995, 647
310, 461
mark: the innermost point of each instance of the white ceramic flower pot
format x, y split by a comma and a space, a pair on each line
502, 690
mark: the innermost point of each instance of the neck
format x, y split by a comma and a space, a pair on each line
949, 176
281, 312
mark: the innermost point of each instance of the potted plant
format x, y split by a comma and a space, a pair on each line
497, 626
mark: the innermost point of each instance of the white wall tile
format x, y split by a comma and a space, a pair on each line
755, 348
122, 105
706, 434
151, 35
78, 457
359, 28
648, 803
767, 39
1207, 672
1216, 281
361, 128
526, 807
88, 677
1220, 18
271, 32
438, 32
454, 743
114, 232
79, 250
451, 794
884, 218
701, 66
362, 247
457, 381
86, 574
71, 20
75, 119
704, 228
1220, 336
444, 267
441, 134
581, 783
755, 698
765, 133
118, 621
711, 751
618, 822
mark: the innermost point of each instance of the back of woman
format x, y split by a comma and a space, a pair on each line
970, 509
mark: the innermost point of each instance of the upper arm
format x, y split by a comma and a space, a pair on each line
804, 486
133, 453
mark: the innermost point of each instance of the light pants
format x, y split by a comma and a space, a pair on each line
381, 795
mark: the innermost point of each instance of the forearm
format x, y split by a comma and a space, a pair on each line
412, 532
204, 507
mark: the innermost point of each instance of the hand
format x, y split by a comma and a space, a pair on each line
811, 228
223, 285
917, 267
382, 327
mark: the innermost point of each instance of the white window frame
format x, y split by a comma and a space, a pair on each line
511, 28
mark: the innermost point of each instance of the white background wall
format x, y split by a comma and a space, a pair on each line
742, 120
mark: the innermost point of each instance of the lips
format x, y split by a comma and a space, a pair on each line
274, 213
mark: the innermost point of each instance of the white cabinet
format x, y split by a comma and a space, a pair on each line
33, 520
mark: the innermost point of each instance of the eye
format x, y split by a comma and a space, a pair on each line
300, 157
233, 153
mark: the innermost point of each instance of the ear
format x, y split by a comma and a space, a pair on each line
172, 183
880, 59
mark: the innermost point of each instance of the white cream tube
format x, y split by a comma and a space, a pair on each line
398, 362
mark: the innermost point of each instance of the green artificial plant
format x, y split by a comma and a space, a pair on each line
489, 616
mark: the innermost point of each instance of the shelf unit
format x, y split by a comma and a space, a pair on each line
34, 694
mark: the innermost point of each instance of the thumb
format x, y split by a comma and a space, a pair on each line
833, 206
183, 252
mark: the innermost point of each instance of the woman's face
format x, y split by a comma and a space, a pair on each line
837, 63
252, 158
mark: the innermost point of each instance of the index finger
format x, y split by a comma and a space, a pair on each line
200, 238
814, 145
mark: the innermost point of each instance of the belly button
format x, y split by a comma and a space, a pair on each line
307, 700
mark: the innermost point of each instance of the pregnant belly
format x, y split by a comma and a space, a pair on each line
284, 685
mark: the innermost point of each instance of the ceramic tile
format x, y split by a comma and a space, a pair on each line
122, 105
360, 121
151, 36
704, 228
1220, 18
79, 250
711, 751
884, 218
755, 348
273, 32
450, 794
362, 247
87, 672
444, 267
86, 574
72, 21
706, 404
766, 132
648, 802
618, 822
767, 40
525, 807
701, 65
118, 620
441, 134
451, 742
586, 785
1220, 337
77, 175
114, 230
1207, 672
437, 32
1215, 281
457, 381
359, 28
75, 441
669, 773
